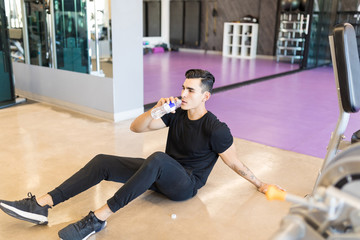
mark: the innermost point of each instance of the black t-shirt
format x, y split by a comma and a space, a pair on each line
196, 144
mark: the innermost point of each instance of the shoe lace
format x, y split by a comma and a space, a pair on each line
30, 196
86, 221
28, 200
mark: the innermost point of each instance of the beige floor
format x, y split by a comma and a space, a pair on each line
40, 146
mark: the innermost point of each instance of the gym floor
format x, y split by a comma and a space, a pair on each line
42, 145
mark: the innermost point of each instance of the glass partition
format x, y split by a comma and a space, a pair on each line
6, 83
349, 11
323, 19
71, 35
99, 25
37, 32
79, 30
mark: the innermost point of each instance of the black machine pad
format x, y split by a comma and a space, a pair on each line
348, 66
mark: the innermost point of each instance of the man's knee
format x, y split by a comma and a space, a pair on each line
99, 164
156, 159
97, 161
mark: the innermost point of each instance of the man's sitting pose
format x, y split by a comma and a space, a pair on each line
196, 138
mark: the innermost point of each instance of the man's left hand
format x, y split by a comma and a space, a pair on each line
264, 187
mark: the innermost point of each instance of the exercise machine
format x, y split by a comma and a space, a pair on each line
332, 211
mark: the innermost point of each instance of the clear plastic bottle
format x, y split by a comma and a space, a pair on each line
158, 112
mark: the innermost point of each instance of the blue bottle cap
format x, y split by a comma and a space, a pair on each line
171, 104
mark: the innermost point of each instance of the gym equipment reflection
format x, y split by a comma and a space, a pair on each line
37, 32
57, 34
71, 32
6, 83
323, 19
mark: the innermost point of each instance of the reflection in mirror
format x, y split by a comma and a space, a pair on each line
100, 43
6, 83
73, 35
37, 32
15, 25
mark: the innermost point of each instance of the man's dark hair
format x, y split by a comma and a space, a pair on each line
207, 79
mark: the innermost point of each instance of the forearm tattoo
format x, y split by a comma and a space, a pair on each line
246, 173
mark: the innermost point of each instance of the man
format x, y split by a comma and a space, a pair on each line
196, 139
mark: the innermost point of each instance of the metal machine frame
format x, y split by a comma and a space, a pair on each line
332, 211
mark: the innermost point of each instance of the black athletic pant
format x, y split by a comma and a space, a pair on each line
159, 172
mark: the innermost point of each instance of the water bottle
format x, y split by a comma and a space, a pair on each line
158, 112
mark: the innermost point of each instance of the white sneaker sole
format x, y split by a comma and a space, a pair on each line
22, 215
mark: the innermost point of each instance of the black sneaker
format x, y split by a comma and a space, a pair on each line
27, 209
82, 229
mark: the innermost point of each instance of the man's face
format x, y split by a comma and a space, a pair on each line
192, 94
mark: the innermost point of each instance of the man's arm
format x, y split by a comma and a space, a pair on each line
145, 122
230, 159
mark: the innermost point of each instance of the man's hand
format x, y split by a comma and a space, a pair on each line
162, 101
264, 187
145, 122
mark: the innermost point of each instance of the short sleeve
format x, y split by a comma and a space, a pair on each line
168, 118
221, 139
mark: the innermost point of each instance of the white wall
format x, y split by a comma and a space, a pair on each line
76, 91
127, 33
115, 99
